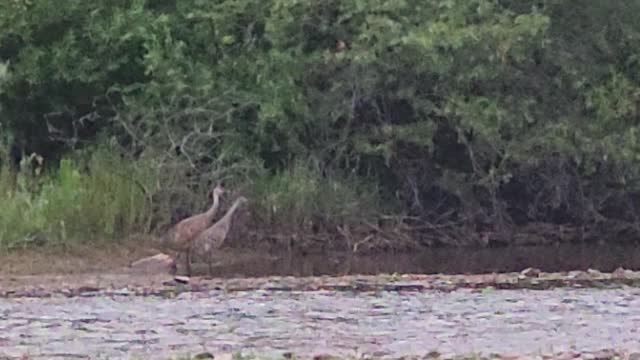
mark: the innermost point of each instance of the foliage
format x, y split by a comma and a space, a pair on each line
484, 114
300, 201
72, 205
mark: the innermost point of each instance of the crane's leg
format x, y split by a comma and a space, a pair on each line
176, 260
188, 261
174, 266
209, 260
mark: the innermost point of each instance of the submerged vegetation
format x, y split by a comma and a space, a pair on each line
351, 124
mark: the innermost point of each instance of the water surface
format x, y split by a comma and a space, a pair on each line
322, 322
444, 260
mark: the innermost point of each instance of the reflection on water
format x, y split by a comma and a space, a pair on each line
446, 261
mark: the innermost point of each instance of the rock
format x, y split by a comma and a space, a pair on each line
224, 356
182, 279
323, 357
622, 273
157, 264
509, 357
204, 355
448, 356
530, 272
634, 356
578, 275
433, 355
594, 272
122, 292
569, 355
604, 355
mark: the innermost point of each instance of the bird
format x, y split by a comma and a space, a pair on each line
180, 237
178, 214
215, 236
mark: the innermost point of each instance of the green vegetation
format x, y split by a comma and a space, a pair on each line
71, 206
398, 123
301, 201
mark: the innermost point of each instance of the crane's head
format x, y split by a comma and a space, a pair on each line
219, 189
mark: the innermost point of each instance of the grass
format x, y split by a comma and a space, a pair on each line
98, 198
304, 202
82, 201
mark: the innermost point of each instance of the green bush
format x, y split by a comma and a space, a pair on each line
83, 201
482, 114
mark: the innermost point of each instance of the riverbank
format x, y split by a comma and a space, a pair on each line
78, 259
127, 284
237, 261
515, 315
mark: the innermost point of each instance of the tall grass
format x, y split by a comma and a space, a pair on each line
303, 201
101, 198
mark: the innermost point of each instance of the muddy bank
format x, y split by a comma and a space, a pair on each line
431, 261
78, 259
235, 261
123, 284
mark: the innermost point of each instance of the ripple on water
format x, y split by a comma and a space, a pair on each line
344, 323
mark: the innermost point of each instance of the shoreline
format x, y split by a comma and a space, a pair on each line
124, 284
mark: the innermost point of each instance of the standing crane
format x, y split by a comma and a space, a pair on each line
180, 237
215, 236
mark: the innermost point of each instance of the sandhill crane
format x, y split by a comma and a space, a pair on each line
180, 237
178, 214
214, 237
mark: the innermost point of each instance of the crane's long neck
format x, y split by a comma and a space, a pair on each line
226, 219
214, 208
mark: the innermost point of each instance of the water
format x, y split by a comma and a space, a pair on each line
347, 323
443, 260
386, 324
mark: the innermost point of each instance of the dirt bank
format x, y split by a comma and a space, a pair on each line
166, 285
75, 260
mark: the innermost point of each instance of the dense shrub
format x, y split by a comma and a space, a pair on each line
476, 119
